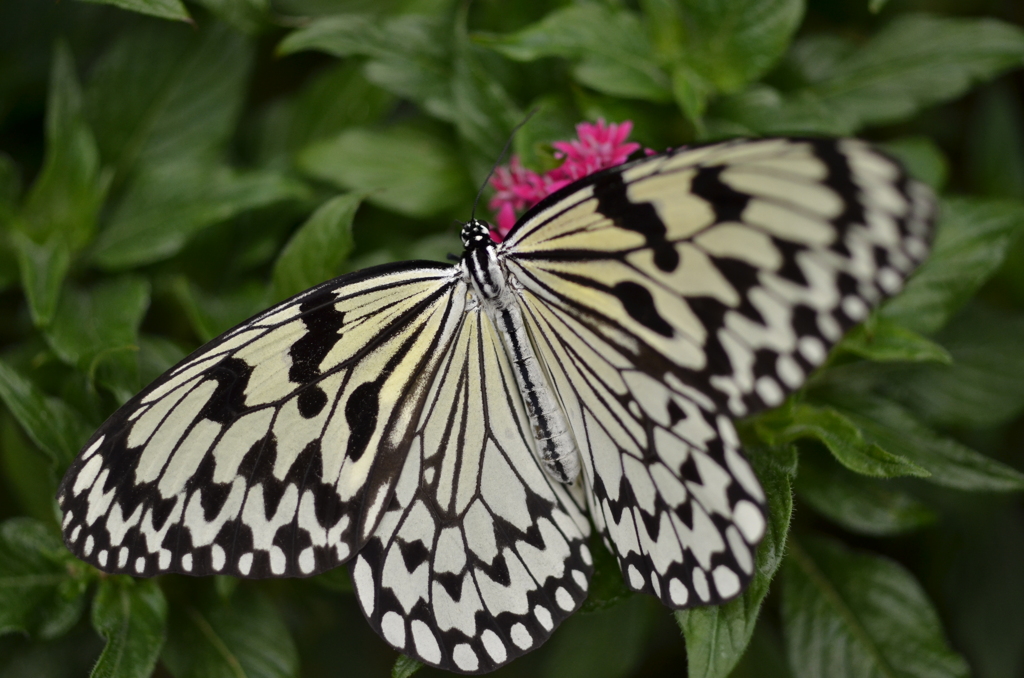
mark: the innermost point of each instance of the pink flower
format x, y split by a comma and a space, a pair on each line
517, 189
600, 146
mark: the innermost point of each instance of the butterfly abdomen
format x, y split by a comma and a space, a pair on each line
556, 446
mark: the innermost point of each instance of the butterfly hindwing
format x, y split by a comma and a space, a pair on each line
676, 501
269, 451
669, 295
480, 555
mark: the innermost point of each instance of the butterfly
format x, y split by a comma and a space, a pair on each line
454, 432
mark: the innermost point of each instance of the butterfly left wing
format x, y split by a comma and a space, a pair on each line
272, 450
480, 555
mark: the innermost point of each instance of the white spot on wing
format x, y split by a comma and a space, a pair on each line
393, 627
726, 581
465, 658
564, 600
544, 617
700, 584
307, 560
678, 592
494, 646
521, 637
362, 578
426, 643
87, 475
92, 448
217, 557
749, 520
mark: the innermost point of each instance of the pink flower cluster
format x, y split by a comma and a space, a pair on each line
599, 146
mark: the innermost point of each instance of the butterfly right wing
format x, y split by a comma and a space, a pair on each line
669, 295
481, 554
272, 450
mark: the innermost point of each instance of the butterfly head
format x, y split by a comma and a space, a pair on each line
475, 234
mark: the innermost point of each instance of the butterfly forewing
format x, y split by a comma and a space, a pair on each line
271, 450
480, 554
669, 293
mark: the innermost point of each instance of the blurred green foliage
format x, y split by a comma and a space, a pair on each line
169, 170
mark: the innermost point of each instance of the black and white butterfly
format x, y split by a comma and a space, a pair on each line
447, 430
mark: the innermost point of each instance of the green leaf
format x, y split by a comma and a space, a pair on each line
883, 340
947, 462
729, 44
162, 95
244, 636
317, 250
922, 157
97, 331
607, 587
485, 112
163, 9
970, 245
340, 35
51, 424
248, 16
10, 185
691, 92
336, 579
918, 60
764, 110
405, 667
859, 504
610, 48
915, 61
212, 314
66, 197
717, 635
10, 196
60, 211
995, 143
29, 475
166, 205
852, 614
225, 586
132, 617
334, 99
984, 387
608, 643
401, 169
410, 55
840, 435
157, 355
43, 269
765, 656
38, 593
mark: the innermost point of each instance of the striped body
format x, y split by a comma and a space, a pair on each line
555, 443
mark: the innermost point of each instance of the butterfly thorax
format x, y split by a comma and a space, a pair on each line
555, 443
481, 262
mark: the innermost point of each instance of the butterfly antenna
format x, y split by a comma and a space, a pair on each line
501, 157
